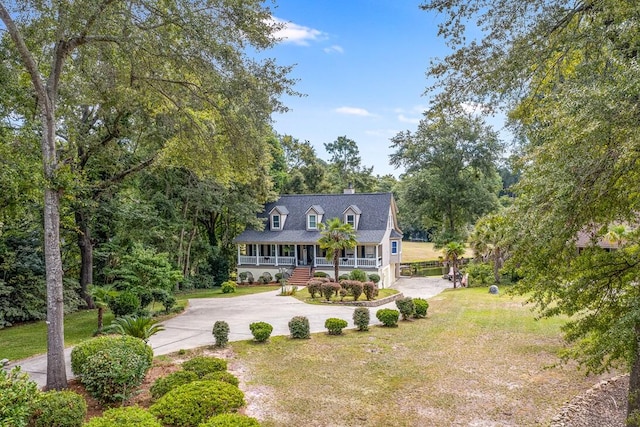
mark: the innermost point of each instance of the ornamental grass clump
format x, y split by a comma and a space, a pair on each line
406, 307
388, 316
221, 333
58, 409
124, 416
194, 403
299, 327
335, 325
203, 365
261, 331
421, 307
361, 318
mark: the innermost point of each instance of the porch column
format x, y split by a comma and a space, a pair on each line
239, 255
377, 265
295, 255
277, 254
257, 254
314, 256
355, 259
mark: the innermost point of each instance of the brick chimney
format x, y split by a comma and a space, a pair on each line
350, 189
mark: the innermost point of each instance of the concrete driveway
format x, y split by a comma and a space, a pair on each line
193, 328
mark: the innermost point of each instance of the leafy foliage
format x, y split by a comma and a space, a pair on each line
421, 306
124, 416
17, 394
299, 327
221, 333
370, 290
224, 376
231, 420
193, 403
359, 275
335, 325
373, 277
406, 306
388, 316
138, 327
59, 409
361, 318
480, 274
261, 331
163, 385
329, 289
83, 351
228, 287
203, 365
124, 304
336, 236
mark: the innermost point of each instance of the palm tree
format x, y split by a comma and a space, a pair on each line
101, 296
489, 240
336, 237
452, 253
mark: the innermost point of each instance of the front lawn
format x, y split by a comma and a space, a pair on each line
304, 296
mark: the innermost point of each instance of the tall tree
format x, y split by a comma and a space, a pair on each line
568, 71
307, 172
451, 178
346, 166
489, 240
337, 236
180, 49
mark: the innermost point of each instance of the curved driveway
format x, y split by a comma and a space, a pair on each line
193, 328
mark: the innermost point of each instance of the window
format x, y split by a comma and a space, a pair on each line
312, 223
275, 222
394, 248
351, 220
286, 250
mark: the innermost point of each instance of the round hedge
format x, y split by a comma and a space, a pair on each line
361, 318
299, 327
335, 325
388, 316
421, 307
124, 416
163, 385
203, 365
193, 403
261, 331
231, 420
224, 376
221, 333
58, 409
86, 349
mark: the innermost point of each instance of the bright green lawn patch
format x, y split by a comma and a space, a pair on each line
303, 295
423, 251
477, 359
217, 292
30, 339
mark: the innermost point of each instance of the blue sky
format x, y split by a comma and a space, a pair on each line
361, 65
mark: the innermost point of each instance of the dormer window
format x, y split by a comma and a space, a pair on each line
351, 220
277, 217
275, 222
312, 221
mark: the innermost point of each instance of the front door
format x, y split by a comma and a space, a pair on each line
309, 254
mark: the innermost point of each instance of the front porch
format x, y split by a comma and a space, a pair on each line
362, 256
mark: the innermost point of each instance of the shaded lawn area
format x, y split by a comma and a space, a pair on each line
30, 339
476, 359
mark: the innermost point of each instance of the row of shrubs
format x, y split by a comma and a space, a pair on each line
354, 288
266, 277
299, 325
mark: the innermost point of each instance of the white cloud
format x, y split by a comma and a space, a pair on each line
353, 111
334, 48
297, 34
405, 119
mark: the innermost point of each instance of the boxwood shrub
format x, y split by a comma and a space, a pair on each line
375, 278
124, 416
224, 376
163, 385
335, 325
406, 307
299, 327
81, 352
113, 375
388, 316
203, 365
228, 287
421, 307
58, 409
261, 331
231, 420
358, 275
194, 403
361, 318
319, 274
17, 393
221, 333
124, 304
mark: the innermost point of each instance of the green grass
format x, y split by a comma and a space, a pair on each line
423, 251
477, 359
30, 339
304, 296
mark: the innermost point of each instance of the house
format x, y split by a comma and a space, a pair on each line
289, 241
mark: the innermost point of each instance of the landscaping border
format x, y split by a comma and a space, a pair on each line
374, 303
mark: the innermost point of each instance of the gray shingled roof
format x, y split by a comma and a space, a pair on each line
371, 227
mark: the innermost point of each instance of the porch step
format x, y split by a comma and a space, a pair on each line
300, 276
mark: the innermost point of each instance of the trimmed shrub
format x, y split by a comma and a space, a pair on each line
113, 375
406, 307
17, 394
361, 318
193, 403
266, 277
221, 333
261, 331
335, 325
203, 365
165, 298
421, 306
231, 420
124, 416
299, 327
81, 352
163, 385
388, 316
224, 376
125, 303
370, 290
319, 274
279, 276
358, 275
343, 277
356, 289
480, 274
228, 287
250, 278
314, 287
373, 277
328, 289
242, 276
59, 409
